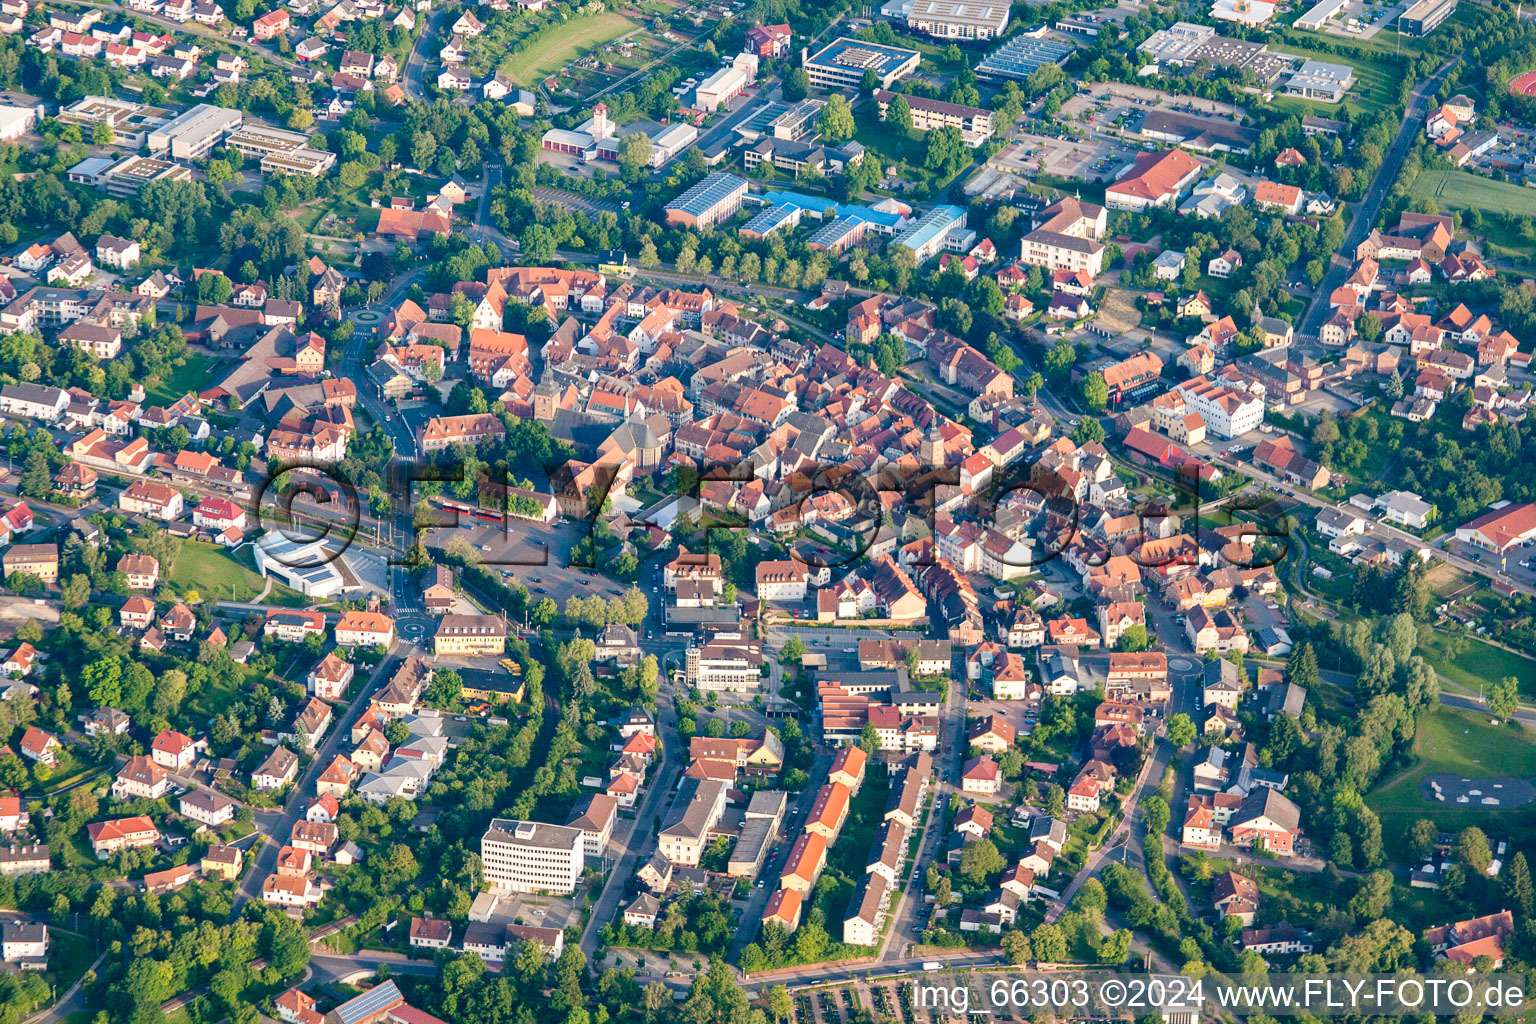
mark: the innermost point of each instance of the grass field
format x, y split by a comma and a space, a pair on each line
1462, 190
1482, 663
198, 373
555, 50
1465, 744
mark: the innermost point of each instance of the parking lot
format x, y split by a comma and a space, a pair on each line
1090, 159
539, 556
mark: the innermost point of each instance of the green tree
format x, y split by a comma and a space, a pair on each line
1181, 731
1504, 698
1115, 948
1421, 840
793, 651
1517, 886
797, 84
869, 739
835, 122
36, 478
980, 860
1049, 944
1472, 850
1095, 392
1134, 639
899, 115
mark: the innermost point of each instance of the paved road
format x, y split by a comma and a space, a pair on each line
413, 80
1367, 210
278, 828
640, 838
906, 926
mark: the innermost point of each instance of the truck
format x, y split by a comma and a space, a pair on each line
932, 965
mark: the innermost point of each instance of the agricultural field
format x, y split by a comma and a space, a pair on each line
1462, 190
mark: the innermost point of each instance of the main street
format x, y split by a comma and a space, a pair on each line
1366, 211
639, 839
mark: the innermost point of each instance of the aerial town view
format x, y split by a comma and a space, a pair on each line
757, 511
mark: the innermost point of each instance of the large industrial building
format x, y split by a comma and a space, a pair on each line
959, 19
1022, 55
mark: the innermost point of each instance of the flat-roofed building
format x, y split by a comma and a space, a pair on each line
531, 856
841, 63
958, 19
1424, 17
193, 134
1320, 80
709, 201
1023, 55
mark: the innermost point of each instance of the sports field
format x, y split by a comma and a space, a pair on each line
1462, 190
558, 47
1463, 743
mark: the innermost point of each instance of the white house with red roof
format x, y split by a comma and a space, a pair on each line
40, 746
981, 776
18, 663
217, 515
173, 750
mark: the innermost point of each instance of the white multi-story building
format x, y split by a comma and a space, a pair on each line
725, 663
531, 856
782, 581
1227, 412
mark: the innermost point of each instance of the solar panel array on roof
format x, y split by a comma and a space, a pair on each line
370, 1004
703, 196
770, 219
831, 233
1022, 55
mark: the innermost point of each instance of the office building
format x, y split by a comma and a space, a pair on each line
725, 664
942, 227
1424, 17
841, 64
531, 856
975, 123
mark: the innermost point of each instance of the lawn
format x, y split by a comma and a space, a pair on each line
1462, 743
557, 49
214, 574
198, 373
1376, 84
217, 575
1482, 663
1461, 190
